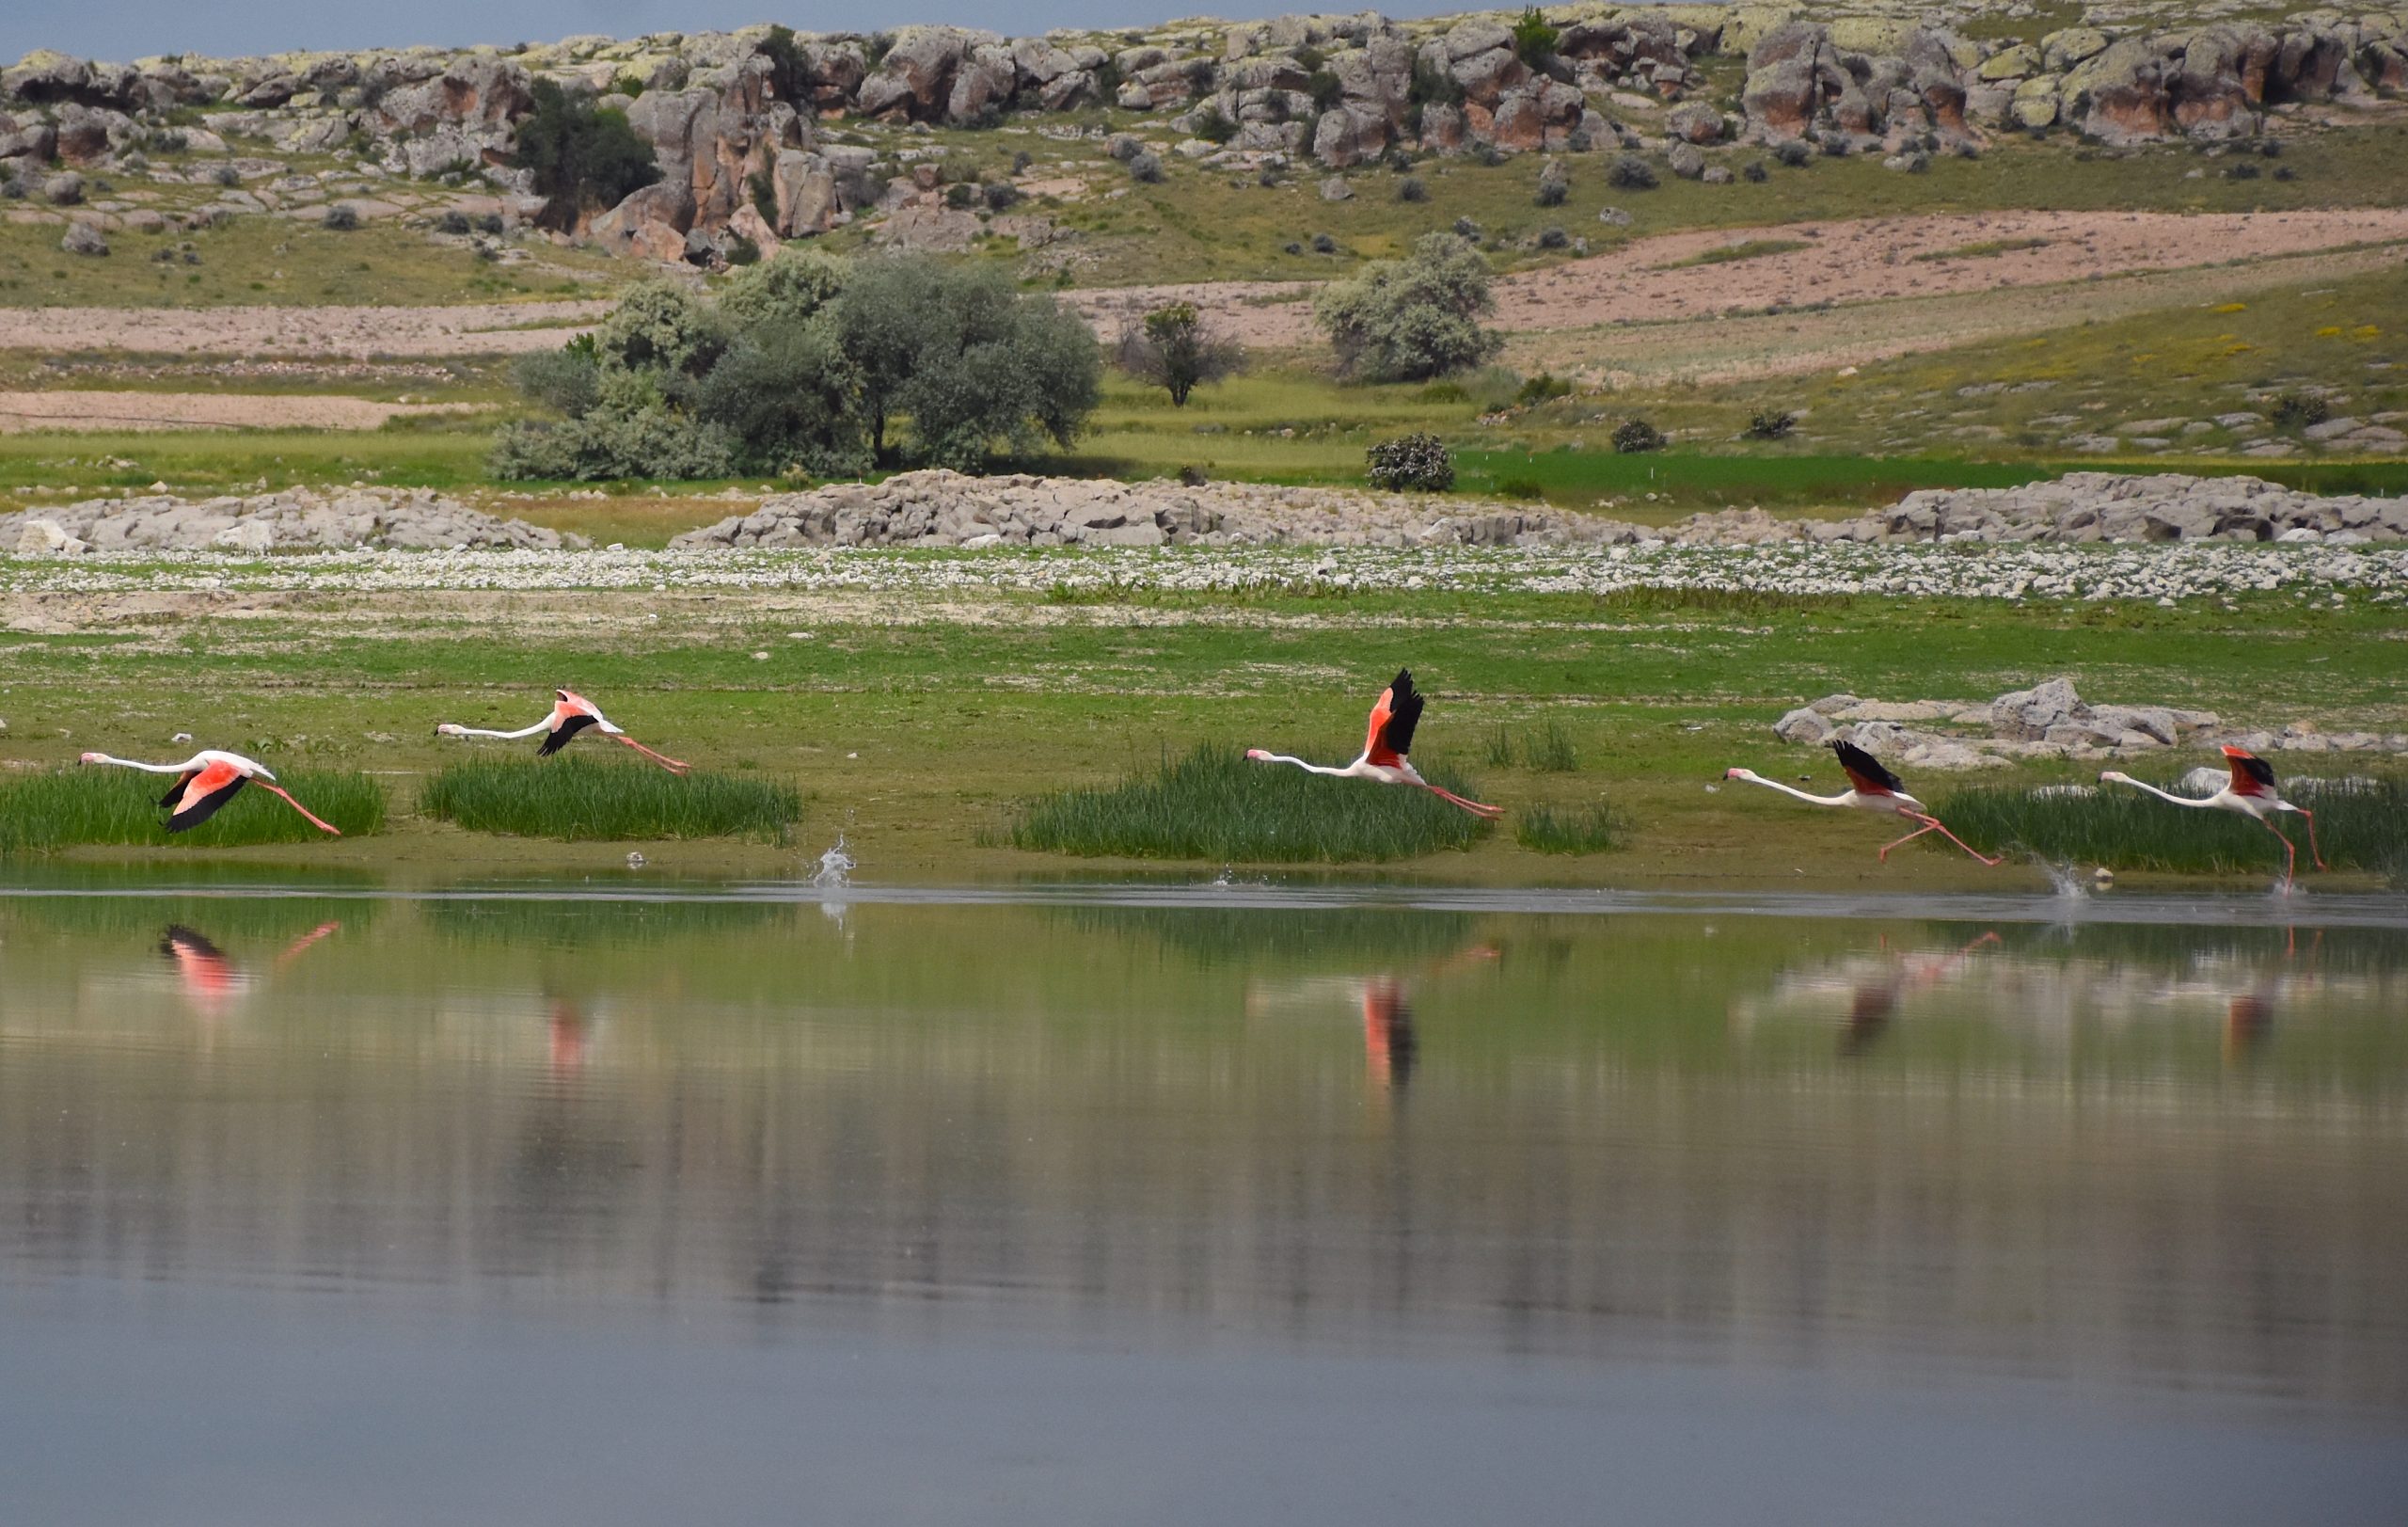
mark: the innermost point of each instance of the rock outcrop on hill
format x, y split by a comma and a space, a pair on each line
730, 116
297, 519
945, 509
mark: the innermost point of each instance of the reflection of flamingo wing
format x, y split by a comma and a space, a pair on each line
204, 967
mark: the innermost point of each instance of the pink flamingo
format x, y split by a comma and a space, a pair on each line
1384, 748
570, 714
1871, 787
207, 781
2252, 794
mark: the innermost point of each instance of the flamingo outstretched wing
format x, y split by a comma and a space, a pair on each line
204, 792
1393, 719
2251, 775
1866, 772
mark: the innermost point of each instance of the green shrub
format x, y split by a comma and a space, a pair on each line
1212, 127
629, 431
2296, 409
1416, 463
1521, 487
1539, 389
1633, 435
568, 380
1631, 173
1770, 424
343, 218
1412, 189
1547, 751
659, 325
578, 155
75, 806
1596, 829
1412, 318
590, 799
1795, 152
791, 287
791, 77
1533, 38
1216, 806
1326, 89
789, 398
1146, 168
1175, 348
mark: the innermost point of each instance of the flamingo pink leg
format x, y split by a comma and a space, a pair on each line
1928, 826
297, 806
2290, 855
2313, 851
1931, 824
1475, 807
672, 765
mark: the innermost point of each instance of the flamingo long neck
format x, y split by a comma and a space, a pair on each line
192, 763
2208, 802
1308, 768
524, 731
1840, 799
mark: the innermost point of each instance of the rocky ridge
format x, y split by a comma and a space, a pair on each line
2048, 721
734, 118
297, 519
947, 509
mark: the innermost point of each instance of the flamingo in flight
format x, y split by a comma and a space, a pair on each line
1871, 787
1384, 748
571, 713
205, 782
2252, 794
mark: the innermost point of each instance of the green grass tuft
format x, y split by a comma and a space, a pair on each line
1216, 805
1546, 751
1595, 829
76, 807
586, 800
1723, 254
2361, 827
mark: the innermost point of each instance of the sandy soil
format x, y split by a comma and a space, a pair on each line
1873, 260
486, 328
104, 410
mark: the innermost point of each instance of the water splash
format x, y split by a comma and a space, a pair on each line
836, 869
2067, 881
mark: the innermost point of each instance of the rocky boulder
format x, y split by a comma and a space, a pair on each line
295, 519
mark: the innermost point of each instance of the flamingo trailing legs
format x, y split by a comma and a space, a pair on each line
1384, 748
207, 781
1871, 787
2252, 794
570, 714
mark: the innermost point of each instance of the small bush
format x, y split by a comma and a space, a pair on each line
1467, 229
742, 252
1416, 462
489, 222
1413, 319
1001, 195
1216, 806
1411, 190
1521, 487
2242, 171
1596, 829
2296, 409
1326, 89
1324, 244
1770, 424
1634, 435
452, 221
340, 218
1541, 388
588, 799
1533, 38
1552, 191
225, 175
1795, 152
1192, 476
1293, 247
1554, 238
1755, 173
1212, 127
1547, 751
1146, 168
579, 156
1631, 173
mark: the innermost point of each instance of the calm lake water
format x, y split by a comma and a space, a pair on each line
604, 1202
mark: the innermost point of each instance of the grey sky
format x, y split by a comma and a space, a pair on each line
125, 29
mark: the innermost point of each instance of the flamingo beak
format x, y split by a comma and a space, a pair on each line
1732, 773
89, 757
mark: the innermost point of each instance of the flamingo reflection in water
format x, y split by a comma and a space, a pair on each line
1874, 996
211, 982
1391, 1040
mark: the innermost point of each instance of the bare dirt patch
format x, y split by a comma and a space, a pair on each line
481, 328
109, 410
1872, 259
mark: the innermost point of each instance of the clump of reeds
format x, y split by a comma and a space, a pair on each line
1214, 804
71, 807
1594, 829
2362, 826
586, 799
1546, 751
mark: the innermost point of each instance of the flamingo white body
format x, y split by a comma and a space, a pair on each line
1384, 759
1871, 787
2251, 792
571, 713
207, 781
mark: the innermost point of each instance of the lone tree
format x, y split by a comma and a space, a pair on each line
1175, 349
1412, 318
579, 156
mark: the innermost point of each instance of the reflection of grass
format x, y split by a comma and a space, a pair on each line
2124, 829
1216, 805
71, 807
1589, 830
584, 799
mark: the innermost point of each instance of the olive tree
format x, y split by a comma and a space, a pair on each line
1175, 348
1411, 319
